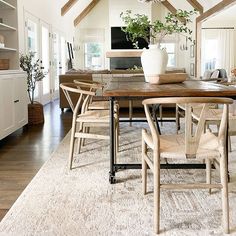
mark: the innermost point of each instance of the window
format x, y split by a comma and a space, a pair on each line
210, 54
170, 49
93, 54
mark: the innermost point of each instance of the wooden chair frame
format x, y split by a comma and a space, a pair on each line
153, 141
79, 124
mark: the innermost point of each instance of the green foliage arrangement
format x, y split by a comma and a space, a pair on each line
139, 26
34, 72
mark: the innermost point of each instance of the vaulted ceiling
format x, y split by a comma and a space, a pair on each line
83, 7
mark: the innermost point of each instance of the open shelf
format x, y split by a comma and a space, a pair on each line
6, 5
6, 27
8, 49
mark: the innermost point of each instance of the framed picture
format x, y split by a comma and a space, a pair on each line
192, 69
192, 48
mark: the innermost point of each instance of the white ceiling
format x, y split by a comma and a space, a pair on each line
228, 14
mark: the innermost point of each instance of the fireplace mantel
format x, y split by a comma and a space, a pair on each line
124, 53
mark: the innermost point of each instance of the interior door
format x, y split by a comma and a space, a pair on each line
55, 64
45, 84
58, 60
32, 43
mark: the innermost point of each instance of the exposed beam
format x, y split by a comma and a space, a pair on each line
224, 4
196, 5
172, 9
85, 12
68, 6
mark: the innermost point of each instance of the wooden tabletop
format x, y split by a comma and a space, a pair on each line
128, 87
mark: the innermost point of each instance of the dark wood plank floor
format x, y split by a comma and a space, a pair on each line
24, 152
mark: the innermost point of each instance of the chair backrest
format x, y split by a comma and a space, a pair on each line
192, 136
84, 96
92, 86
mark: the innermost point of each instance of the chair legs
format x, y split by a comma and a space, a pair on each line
79, 142
72, 142
156, 177
208, 172
144, 167
83, 129
225, 197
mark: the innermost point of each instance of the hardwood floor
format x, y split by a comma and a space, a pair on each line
24, 152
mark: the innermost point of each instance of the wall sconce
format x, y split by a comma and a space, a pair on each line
184, 46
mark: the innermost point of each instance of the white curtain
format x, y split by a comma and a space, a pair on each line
226, 50
218, 49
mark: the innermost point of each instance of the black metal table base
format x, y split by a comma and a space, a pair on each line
117, 167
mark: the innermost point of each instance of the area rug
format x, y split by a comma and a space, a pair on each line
82, 202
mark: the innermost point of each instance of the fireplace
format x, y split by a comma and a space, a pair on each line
124, 63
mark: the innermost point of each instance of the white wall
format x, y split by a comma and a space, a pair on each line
98, 18
48, 11
118, 6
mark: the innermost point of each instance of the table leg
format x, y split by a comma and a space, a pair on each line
112, 143
130, 112
154, 114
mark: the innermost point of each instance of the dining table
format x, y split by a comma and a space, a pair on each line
135, 88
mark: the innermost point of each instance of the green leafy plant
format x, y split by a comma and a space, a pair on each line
34, 73
139, 26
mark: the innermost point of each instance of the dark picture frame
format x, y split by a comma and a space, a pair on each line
192, 69
192, 53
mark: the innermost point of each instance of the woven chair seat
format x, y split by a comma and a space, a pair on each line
173, 146
97, 105
94, 116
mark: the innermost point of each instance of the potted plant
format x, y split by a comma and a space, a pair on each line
154, 60
34, 74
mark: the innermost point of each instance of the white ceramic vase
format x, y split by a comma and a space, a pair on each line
154, 62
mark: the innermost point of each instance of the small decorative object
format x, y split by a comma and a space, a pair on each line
34, 75
2, 41
154, 60
233, 71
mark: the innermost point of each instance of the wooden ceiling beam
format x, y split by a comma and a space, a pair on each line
196, 5
172, 9
224, 4
85, 12
68, 6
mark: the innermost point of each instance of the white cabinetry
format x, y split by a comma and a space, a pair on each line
8, 29
13, 102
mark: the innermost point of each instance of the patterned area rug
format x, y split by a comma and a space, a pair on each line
82, 202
